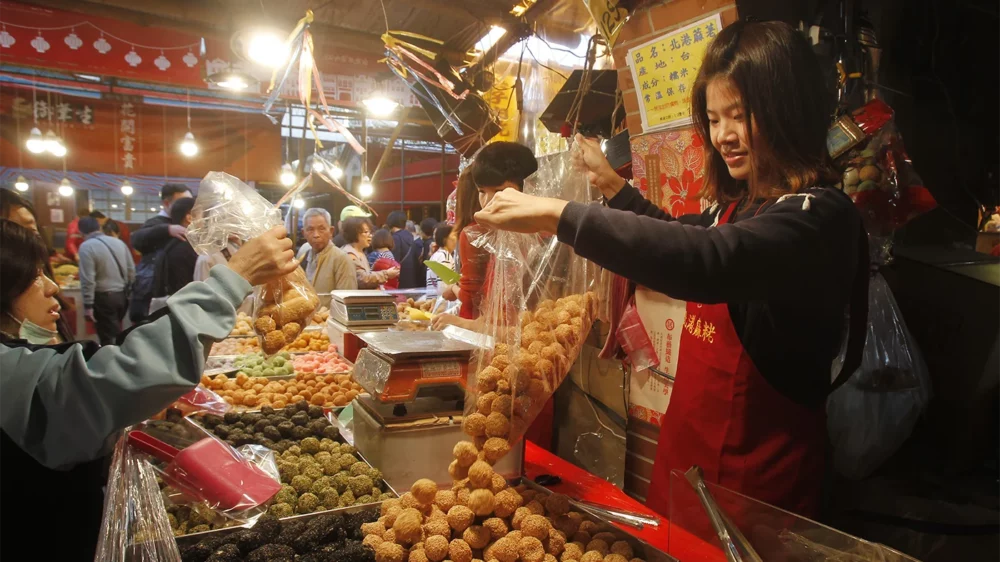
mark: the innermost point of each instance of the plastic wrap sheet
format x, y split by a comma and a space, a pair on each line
874, 412
371, 371
228, 208
136, 527
541, 302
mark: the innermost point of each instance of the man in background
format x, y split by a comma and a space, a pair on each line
106, 273
346, 213
427, 227
327, 267
175, 267
411, 227
150, 241
407, 251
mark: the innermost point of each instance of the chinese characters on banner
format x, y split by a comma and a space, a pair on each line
66, 113
504, 104
664, 71
126, 130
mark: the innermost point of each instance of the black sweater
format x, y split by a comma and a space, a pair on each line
785, 272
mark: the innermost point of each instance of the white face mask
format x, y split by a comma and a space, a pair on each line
33, 333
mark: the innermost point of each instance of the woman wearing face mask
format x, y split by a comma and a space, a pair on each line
496, 167
61, 405
760, 282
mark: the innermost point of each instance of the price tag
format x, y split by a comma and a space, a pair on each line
610, 18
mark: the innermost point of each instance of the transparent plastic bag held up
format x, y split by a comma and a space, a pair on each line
228, 209
874, 412
539, 304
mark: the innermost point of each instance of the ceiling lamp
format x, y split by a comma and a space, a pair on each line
35, 143
489, 40
21, 184
380, 106
267, 47
317, 164
287, 176
127, 188
366, 189
54, 145
189, 148
335, 172
231, 80
298, 203
66, 188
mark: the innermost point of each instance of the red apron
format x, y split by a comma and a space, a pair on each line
726, 418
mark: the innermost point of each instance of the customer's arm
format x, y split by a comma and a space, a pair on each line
130, 265
88, 275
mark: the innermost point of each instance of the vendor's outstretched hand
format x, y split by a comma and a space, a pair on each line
588, 156
265, 258
512, 210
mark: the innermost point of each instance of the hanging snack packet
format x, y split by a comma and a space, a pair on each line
229, 209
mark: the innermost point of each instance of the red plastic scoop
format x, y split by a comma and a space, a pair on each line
209, 470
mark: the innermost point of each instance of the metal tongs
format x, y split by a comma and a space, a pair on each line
634, 520
724, 528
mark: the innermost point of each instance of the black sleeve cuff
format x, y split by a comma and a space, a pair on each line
569, 221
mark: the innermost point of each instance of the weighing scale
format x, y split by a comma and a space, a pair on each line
356, 309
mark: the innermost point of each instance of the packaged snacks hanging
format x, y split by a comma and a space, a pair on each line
539, 305
229, 209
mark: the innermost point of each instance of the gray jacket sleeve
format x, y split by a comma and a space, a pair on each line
61, 408
88, 274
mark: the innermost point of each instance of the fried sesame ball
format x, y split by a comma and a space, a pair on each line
565, 334
462, 496
487, 379
497, 425
615, 558
437, 527
556, 542
557, 504
582, 537
465, 453
474, 425
504, 550
592, 556
590, 527
374, 528
500, 361
389, 536
477, 536
607, 537
485, 403
407, 526
390, 516
497, 528
545, 369
550, 558
424, 491
572, 551
436, 548
534, 506
481, 502
418, 555
444, 500
623, 548
480, 474
530, 549
503, 386
459, 551
372, 541
388, 504
499, 484
462, 484
566, 524
460, 517
536, 526
506, 503
599, 546
519, 516
515, 536
502, 405
457, 471
389, 552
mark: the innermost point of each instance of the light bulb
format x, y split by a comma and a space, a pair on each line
380, 106
287, 176
133, 208
366, 189
53, 145
267, 49
335, 172
233, 81
58, 150
189, 148
65, 188
127, 189
604, 146
21, 184
152, 209
317, 165
35, 143
298, 203
114, 205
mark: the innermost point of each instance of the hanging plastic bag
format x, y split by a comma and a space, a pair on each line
227, 208
635, 342
539, 305
871, 415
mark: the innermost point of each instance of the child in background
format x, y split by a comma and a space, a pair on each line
446, 239
381, 258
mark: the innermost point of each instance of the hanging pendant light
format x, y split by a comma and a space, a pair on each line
366, 189
287, 177
54, 145
21, 184
65, 188
336, 172
127, 188
35, 143
298, 203
189, 148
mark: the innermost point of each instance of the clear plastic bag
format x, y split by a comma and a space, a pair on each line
227, 208
136, 527
538, 308
635, 342
873, 413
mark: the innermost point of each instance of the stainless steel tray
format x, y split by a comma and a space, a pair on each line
402, 345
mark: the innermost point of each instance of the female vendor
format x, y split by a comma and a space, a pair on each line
768, 272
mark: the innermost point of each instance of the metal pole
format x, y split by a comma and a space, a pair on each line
402, 173
444, 162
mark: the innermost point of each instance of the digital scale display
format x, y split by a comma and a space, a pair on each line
370, 313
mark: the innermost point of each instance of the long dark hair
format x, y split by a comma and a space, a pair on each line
23, 256
784, 93
466, 201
